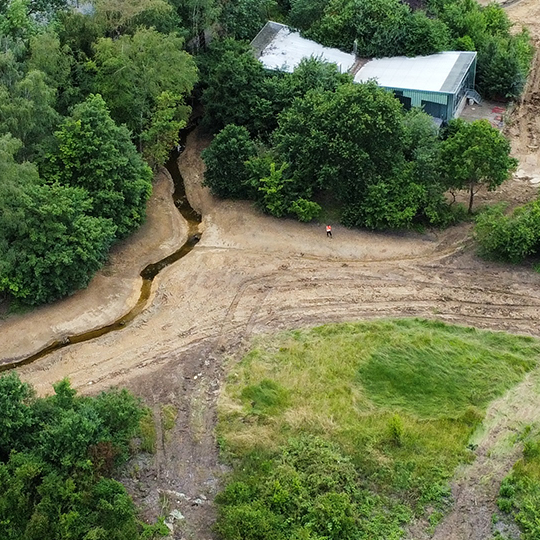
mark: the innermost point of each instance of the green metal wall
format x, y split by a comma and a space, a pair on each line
440, 104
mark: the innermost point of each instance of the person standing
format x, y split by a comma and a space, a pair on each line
329, 231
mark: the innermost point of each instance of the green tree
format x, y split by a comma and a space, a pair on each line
242, 19
48, 56
116, 16
503, 65
305, 13
95, 154
16, 22
234, 90
475, 154
27, 112
49, 246
273, 191
197, 15
503, 58
424, 35
341, 141
56, 248
314, 74
378, 26
134, 72
162, 133
226, 174
16, 416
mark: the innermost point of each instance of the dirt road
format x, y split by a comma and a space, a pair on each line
252, 274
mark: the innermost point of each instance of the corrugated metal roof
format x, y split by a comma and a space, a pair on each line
278, 47
265, 36
281, 48
442, 72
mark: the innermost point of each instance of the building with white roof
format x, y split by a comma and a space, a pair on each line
438, 83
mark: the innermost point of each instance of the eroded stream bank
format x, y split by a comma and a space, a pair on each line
150, 271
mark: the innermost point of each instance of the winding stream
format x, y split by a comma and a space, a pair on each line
148, 273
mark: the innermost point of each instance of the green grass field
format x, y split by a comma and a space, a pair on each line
383, 409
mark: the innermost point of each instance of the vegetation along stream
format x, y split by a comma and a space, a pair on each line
148, 273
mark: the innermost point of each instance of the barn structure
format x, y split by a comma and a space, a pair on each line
439, 83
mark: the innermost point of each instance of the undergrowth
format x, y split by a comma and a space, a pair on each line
382, 412
520, 490
147, 430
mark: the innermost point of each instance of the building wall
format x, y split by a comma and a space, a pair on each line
435, 103
438, 104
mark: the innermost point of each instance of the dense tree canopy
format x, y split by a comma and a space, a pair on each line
49, 244
56, 458
95, 154
57, 226
225, 172
351, 143
341, 140
139, 77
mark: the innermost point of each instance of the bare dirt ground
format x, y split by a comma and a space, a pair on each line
251, 274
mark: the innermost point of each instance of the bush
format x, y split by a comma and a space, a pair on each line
509, 237
57, 454
305, 210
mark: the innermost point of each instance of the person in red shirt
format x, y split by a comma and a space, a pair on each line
329, 231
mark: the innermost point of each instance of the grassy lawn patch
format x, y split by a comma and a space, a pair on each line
393, 403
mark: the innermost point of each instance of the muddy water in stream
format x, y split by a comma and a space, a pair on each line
148, 274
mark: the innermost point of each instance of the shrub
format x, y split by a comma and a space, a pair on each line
56, 461
396, 430
305, 210
509, 237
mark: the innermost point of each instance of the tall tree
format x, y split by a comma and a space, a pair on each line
235, 89
49, 246
95, 154
376, 25
226, 174
27, 112
16, 22
47, 55
134, 72
242, 19
116, 15
341, 140
474, 155
197, 15
305, 13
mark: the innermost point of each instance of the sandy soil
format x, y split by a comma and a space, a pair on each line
251, 274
